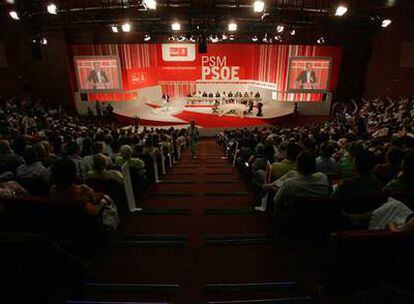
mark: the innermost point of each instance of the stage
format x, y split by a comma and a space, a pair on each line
157, 113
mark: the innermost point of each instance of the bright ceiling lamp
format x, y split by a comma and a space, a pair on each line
114, 29
232, 27
150, 4
341, 10
255, 38
126, 27
280, 28
293, 32
386, 22
14, 15
147, 37
321, 40
258, 6
176, 26
52, 9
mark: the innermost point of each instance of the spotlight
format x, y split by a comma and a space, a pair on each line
114, 29
386, 22
280, 28
341, 10
52, 9
14, 15
321, 40
172, 38
147, 37
10, 1
232, 27
231, 37
150, 4
255, 38
126, 27
192, 39
258, 6
182, 38
224, 37
293, 32
176, 26
43, 41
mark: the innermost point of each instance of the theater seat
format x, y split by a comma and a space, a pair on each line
111, 188
311, 217
33, 269
361, 259
80, 233
362, 203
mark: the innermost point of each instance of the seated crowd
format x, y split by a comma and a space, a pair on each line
364, 161
49, 153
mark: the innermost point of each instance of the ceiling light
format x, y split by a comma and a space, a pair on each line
386, 22
192, 39
147, 37
181, 38
231, 37
150, 4
258, 6
126, 27
171, 38
43, 41
341, 10
176, 26
14, 15
293, 32
280, 28
255, 38
232, 27
52, 9
10, 1
114, 29
224, 37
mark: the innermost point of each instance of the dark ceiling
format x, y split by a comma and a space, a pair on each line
210, 16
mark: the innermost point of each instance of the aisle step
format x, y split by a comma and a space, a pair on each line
171, 194
237, 239
151, 240
230, 193
158, 287
230, 211
178, 181
248, 287
295, 300
165, 211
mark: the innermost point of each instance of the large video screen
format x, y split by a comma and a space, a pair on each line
309, 74
98, 73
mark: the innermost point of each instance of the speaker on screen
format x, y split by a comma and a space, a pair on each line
84, 97
202, 45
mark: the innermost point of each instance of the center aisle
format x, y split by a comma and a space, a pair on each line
198, 229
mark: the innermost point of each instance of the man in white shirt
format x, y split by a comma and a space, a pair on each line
306, 184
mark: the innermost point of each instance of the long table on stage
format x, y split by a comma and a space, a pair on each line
209, 101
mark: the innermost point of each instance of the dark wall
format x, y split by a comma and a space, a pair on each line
47, 78
384, 75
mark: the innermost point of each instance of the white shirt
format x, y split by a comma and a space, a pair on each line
308, 77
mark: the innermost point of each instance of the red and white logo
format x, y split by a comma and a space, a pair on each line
178, 52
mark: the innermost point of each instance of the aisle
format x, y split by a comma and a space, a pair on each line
197, 230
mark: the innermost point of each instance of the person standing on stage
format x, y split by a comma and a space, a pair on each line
193, 135
259, 109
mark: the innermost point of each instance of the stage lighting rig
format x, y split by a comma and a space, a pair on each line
150, 4
341, 10
386, 22
52, 9
258, 6
14, 15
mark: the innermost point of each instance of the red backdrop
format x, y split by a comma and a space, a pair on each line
177, 67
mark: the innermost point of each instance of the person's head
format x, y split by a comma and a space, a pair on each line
408, 166
292, 151
394, 156
364, 162
308, 66
99, 162
63, 173
96, 65
327, 150
97, 147
192, 123
4, 147
126, 151
306, 163
354, 149
72, 148
32, 154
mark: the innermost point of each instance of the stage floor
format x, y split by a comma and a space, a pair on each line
156, 113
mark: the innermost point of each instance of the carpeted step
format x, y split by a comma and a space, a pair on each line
230, 211
237, 239
292, 300
162, 240
248, 287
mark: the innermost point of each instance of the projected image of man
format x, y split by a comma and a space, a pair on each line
307, 78
97, 77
